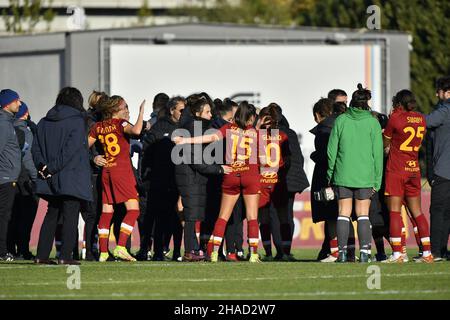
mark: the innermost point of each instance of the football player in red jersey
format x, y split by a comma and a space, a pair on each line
274, 153
242, 155
402, 139
118, 180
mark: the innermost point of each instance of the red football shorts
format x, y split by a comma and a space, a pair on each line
118, 187
235, 183
402, 185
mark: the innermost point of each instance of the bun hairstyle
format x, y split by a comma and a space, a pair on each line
360, 98
244, 113
404, 98
96, 98
273, 117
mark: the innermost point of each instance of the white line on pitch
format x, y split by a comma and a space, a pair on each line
393, 275
221, 295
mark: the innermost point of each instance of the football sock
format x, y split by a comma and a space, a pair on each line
403, 240
364, 234
334, 247
342, 228
198, 225
395, 231
416, 232
424, 232
103, 230
217, 236
126, 228
253, 235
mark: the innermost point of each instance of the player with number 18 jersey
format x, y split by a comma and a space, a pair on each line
119, 183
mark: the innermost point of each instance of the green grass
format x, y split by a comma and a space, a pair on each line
200, 281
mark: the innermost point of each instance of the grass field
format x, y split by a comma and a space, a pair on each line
203, 281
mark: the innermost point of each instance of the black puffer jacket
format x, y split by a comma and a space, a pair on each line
157, 166
192, 179
296, 177
61, 144
322, 211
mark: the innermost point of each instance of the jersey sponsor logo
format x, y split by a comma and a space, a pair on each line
110, 162
412, 166
238, 164
269, 177
412, 163
269, 174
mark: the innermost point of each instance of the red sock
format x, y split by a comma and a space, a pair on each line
198, 225
286, 239
416, 230
253, 235
403, 240
424, 232
395, 231
126, 228
334, 247
103, 230
217, 236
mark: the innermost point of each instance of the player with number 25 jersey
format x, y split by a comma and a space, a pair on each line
406, 130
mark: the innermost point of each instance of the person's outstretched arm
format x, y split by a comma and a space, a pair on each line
137, 128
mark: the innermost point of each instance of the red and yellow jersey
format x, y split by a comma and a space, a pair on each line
241, 148
115, 143
406, 129
274, 148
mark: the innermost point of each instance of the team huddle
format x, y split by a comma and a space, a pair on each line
206, 165
255, 167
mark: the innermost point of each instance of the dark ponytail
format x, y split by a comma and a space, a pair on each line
360, 98
404, 98
243, 114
